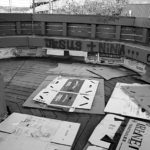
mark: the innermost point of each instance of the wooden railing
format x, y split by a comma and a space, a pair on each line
129, 36
128, 29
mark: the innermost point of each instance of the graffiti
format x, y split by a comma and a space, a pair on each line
64, 44
105, 49
91, 46
111, 50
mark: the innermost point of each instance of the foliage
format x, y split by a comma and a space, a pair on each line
94, 7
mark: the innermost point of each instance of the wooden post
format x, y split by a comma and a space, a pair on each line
18, 28
118, 32
64, 29
145, 35
3, 109
33, 4
93, 31
43, 28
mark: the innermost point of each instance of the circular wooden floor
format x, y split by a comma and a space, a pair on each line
23, 75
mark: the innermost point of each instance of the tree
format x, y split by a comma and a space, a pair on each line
94, 7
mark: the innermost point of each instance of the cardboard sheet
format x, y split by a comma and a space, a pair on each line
92, 71
111, 61
120, 133
107, 127
97, 105
7, 52
135, 65
43, 129
146, 76
78, 53
138, 133
121, 103
103, 59
13, 142
55, 52
111, 72
30, 52
95, 148
105, 133
74, 69
69, 92
141, 94
142, 90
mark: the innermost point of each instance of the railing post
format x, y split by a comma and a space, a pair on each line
43, 28
18, 28
145, 35
93, 31
3, 107
64, 29
118, 32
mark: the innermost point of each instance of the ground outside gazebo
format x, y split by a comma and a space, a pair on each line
78, 71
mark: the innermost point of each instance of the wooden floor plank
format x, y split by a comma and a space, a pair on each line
36, 112
83, 120
48, 114
13, 107
88, 129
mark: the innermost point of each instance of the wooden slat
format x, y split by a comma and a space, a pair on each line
96, 19
93, 31
15, 17
13, 41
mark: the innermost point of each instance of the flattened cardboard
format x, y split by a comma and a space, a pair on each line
105, 133
27, 143
78, 53
92, 71
43, 129
121, 103
55, 52
111, 61
107, 127
136, 136
74, 69
144, 102
141, 94
68, 92
66, 133
145, 77
30, 52
95, 148
103, 59
7, 52
97, 106
142, 90
111, 72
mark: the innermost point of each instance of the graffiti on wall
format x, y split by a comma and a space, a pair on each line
110, 49
64, 44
